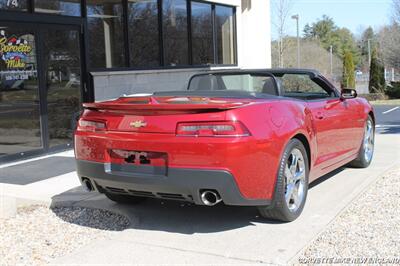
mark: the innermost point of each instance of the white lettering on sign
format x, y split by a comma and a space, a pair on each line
18, 75
12, 3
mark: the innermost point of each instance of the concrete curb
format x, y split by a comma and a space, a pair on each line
8, 207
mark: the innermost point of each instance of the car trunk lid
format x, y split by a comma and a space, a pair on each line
161, 114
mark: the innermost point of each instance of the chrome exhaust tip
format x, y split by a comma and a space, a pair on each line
210, 198
87, 185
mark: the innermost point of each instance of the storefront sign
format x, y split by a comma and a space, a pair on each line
17, 75
12, 3
14, 51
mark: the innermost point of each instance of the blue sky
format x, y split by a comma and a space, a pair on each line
352, 14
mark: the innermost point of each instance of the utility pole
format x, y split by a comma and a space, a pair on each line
369, 52
392, 74
280, 52
386, 79
331, 57
297, 18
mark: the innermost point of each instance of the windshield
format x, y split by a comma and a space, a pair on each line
257, 83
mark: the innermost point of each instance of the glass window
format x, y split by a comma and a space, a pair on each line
202, 34
19, 97
175, 31
63, 67
224, 17
235, 82
143, 33
106, 33
18, 5
301, 86
59, 7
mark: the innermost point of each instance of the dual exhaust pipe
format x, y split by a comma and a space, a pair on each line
87, 185
210, 197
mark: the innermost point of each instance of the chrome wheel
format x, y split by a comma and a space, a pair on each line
295, 175
369, 139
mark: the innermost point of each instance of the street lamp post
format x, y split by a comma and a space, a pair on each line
331, 60
369, 52
297, 18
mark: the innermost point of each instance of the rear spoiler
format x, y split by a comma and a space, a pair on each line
167, 104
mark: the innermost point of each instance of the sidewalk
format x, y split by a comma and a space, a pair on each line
36, 181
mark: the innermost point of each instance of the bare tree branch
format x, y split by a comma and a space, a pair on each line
389, 38
396, 11
280, 13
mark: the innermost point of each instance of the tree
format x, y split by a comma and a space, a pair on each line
367, 43
344, 41
281, 10
313, 56
396, 11
324, 28
308, 31
389, 39
329, 34
377, 82
349, 79
368, 34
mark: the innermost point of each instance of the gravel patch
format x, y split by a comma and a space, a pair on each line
368, 228
38, 234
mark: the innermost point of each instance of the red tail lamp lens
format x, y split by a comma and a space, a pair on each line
213, 129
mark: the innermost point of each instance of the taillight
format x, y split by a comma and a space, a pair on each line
213, 129
92, 126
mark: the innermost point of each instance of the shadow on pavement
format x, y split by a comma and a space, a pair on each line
190, 219
66, 207
174, 216
388, 130
167, 216
93, 218
326, 177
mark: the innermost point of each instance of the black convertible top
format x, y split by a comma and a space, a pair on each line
219, 93
278, 72
275, 73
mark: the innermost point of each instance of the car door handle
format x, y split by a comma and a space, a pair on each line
320, 116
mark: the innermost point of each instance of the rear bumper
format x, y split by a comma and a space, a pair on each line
176, 183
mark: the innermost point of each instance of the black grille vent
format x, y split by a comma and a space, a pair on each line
141, 193
116, 190
146, 194
171, 196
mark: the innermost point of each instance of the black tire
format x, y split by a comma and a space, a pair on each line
279, 209
363, 161
124, 199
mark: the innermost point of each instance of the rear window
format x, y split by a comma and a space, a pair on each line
234, 82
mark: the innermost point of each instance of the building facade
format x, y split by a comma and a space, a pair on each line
56, 54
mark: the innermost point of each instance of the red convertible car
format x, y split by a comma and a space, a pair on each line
244, 138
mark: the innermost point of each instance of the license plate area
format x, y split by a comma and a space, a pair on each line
142, 162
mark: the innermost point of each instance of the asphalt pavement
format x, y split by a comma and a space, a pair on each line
387, 119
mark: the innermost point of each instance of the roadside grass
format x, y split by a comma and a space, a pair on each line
386, 102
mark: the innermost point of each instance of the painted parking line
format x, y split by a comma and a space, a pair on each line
391, 110
386, 126
15, 111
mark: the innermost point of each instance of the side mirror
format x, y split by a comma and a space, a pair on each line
348, 94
